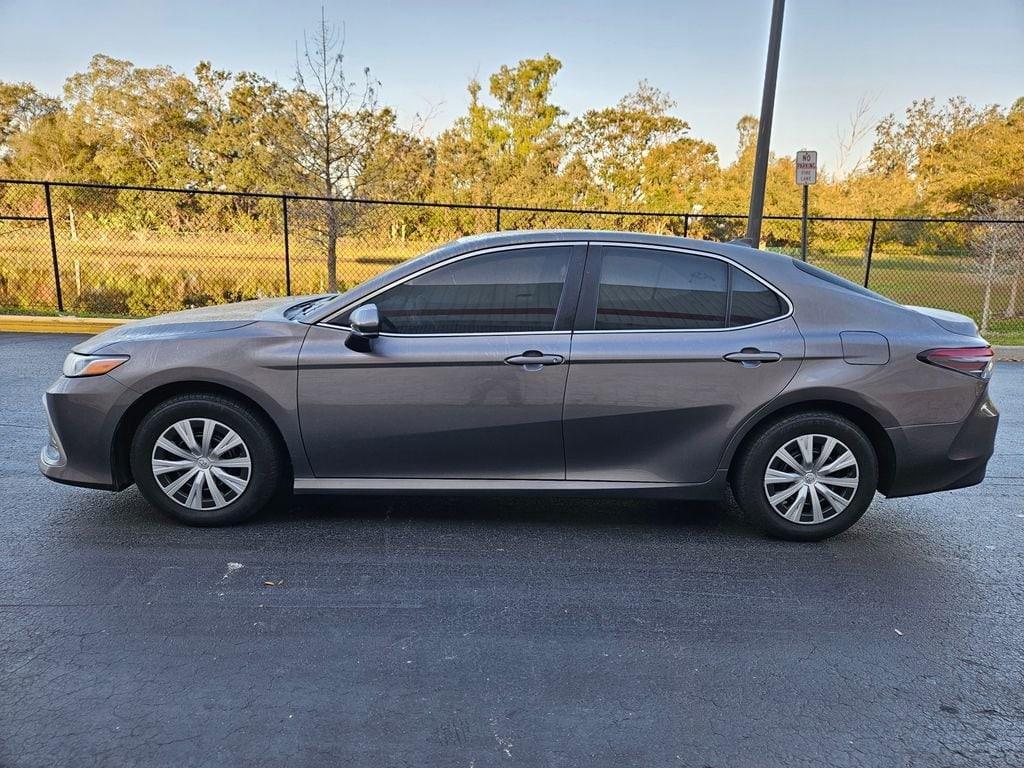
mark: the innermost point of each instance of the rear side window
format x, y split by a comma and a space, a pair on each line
646, 289
502, 292
752, 301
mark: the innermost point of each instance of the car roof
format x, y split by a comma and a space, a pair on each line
738, 252
520, 236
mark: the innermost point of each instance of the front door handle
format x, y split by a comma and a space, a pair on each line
534, 360
751, 357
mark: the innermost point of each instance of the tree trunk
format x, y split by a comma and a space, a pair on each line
332, 248
1011, 305
986, 306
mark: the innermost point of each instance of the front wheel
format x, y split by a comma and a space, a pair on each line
806, 477
205, 459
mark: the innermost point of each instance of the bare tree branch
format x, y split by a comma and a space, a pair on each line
337, 127
859, 125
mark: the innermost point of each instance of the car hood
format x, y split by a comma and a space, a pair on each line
192, 322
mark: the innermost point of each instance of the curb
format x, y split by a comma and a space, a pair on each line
44, 324
1009, 354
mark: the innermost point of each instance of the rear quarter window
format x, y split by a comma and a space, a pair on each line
751, 301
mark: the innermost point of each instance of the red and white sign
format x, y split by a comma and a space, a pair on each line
806, 166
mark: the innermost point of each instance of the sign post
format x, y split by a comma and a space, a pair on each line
806, 174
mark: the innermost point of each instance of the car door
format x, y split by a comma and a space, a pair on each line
672, 350
466, 379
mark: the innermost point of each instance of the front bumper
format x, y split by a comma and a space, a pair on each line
941, 457
82, 416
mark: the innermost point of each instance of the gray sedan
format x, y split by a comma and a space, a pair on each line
561, 362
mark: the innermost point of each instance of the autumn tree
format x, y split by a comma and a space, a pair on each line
244, 122
615, 143
20, 106
327, 135
901, 144
509, 152
142, 121
730, 190
980, 162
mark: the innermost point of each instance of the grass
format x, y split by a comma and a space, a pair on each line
138, 276
123, 274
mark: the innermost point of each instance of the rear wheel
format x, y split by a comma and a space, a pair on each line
206, 459
806, 477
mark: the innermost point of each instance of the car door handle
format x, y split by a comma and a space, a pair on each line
534, 360
752, 357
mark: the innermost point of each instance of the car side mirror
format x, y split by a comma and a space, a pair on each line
365, 324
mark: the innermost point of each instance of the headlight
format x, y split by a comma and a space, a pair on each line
76, 365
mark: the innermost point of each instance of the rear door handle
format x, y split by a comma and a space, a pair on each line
534, 360
751, 357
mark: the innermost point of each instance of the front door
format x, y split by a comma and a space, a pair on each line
673, 350
466, 380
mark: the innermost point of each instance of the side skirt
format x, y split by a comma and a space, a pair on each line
415, 486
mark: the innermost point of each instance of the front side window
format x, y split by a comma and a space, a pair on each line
501, 292
649, 289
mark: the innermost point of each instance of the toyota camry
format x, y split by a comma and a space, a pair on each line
558, 362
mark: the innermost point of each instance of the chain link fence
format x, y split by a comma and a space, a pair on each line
91, 249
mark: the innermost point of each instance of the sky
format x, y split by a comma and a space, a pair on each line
709, 56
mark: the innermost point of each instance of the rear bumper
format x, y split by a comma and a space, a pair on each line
941, 457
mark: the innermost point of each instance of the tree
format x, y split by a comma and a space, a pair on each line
327, 135
999, 252
617, 143
858, 127
143, 122
676, 175
244, 122
977, 164
51, 147
21, 105
900, 145
729, 192
510, 152
337, 126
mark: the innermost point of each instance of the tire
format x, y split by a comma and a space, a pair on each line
832, 492
239, 436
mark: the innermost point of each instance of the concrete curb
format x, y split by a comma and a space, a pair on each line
43, 324
1009, 354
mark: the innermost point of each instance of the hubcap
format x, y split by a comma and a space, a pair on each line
811, 479
201, 464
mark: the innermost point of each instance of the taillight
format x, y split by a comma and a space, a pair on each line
974, 361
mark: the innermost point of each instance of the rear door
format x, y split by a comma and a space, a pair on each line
465, 381
672, 350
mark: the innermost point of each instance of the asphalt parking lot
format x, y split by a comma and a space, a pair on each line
489, 632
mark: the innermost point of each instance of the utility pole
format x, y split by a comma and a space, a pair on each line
764, 128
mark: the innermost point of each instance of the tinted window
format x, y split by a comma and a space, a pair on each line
752, 301
497, 292
644, 289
